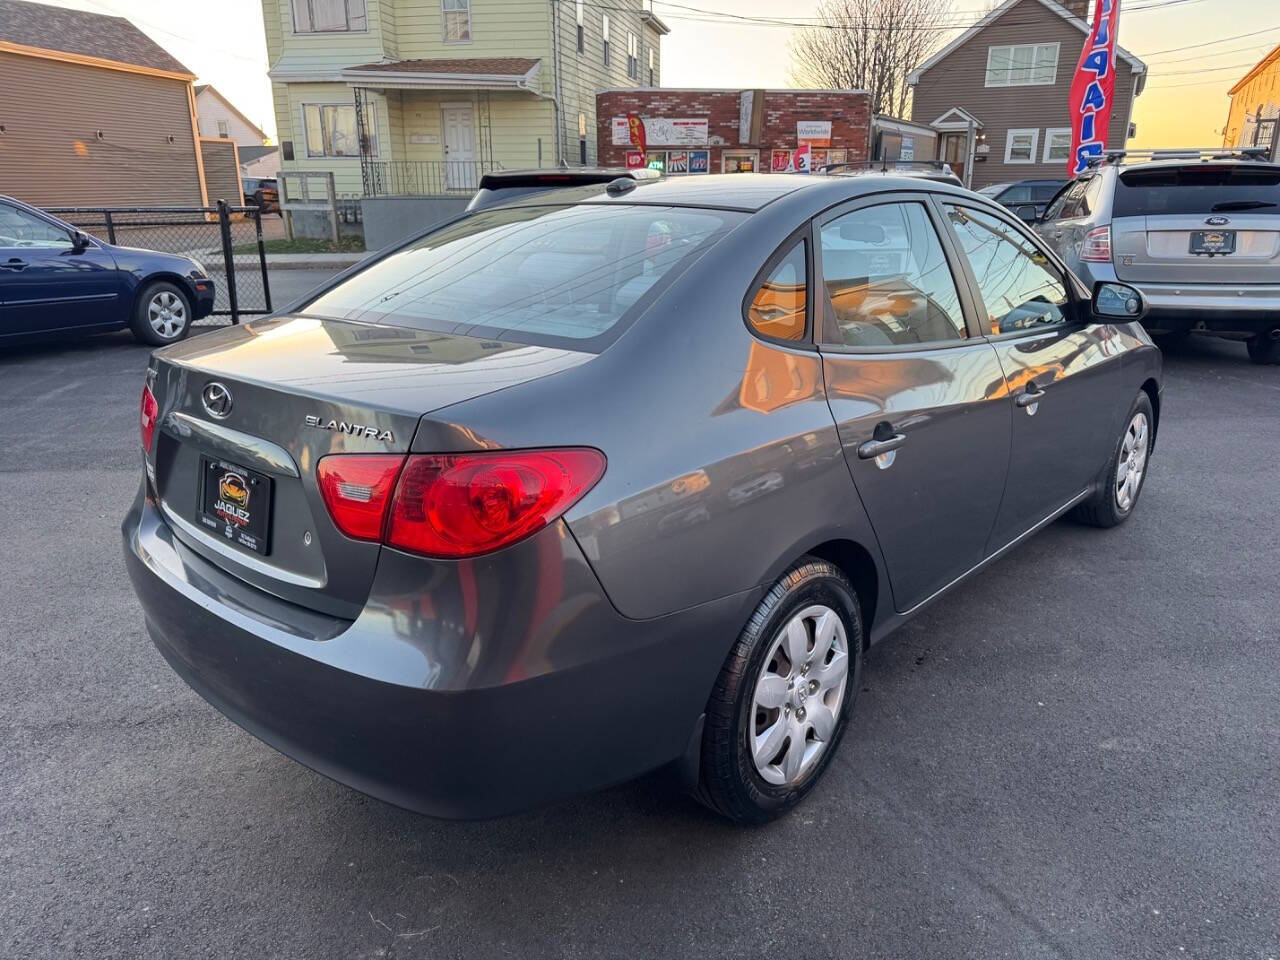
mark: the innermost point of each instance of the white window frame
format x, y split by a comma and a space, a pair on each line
371, 127
1008, 144
1030, 81
604, 33
1048, 140
651, 66
224, 129
293, 20
633, 56
444, 19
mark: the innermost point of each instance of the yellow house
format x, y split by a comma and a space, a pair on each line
1255, 105
418, 97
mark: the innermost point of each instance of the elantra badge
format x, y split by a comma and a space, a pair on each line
217, 400
352, 429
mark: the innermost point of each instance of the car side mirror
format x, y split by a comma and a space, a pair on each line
1118, 301
1027, 212
79, 241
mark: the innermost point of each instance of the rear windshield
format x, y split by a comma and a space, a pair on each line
554, 275
1198, 190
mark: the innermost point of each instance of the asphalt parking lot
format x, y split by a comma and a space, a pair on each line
1076, 754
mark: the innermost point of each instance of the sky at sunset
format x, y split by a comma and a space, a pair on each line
1185, 103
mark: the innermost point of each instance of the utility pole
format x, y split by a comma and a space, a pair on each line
555, 86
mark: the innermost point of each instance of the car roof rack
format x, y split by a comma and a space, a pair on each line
884, 166
1201, 154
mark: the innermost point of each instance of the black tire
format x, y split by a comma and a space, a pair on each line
140, 322
1265, 347
1104, 508
729, 781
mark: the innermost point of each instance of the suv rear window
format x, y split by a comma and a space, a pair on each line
554, 275
1198, 190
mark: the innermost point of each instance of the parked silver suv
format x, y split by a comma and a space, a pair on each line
1197, 231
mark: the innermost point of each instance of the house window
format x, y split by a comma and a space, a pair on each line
582, 39
331, 130
328, 16
1057, 144
222, 129
651, 66
1020, 145
1022, 65
633, 57
457, 20
604, 29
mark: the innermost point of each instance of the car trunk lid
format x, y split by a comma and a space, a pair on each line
1198, 223
247, 413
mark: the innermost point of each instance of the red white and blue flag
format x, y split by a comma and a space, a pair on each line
1093, 88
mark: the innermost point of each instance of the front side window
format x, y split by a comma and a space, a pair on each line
1022, 65
1019, 287
556, 275
332, 132
777, 308
328, 16
457, 20
1020, 146
1067, 203
886, 279
21, 229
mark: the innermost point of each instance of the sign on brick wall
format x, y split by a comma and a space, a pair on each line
816, 133
664, 132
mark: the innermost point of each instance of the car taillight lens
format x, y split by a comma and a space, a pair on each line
357, 490
462, 505
1097, 245
147, 417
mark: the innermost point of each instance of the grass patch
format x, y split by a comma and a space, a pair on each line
304, 245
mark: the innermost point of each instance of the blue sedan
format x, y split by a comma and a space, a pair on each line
56, 279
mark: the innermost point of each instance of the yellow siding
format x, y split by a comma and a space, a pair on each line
514, 28
1263, 91
345, 170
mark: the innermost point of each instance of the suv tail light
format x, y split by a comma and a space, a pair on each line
455, 505
1097, 245
147, 417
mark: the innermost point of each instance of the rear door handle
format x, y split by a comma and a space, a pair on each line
1029, 398
879, 447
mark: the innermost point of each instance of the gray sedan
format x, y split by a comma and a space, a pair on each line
622, 476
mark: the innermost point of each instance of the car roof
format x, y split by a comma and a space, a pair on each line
748, 192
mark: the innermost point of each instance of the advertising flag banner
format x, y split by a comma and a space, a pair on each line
1093, 88
636, 129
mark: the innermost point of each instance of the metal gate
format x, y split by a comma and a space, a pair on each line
227, 240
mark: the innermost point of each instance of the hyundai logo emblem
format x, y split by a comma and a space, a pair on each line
217, 400
1217, 221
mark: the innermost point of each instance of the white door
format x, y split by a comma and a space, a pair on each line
459, 148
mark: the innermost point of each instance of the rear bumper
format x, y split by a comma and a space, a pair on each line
1217, 308
409, 709
203, 294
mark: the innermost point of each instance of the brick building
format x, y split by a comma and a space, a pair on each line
729, 131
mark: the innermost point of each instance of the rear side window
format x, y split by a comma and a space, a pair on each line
777, 308
555, 275
1067, 204
1198, 190
886, 279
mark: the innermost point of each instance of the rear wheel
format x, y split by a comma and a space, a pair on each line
1126, 471
162, 314
1265, 347
783, 697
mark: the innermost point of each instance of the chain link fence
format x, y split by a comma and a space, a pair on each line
227, 240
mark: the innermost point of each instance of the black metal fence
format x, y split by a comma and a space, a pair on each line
227, 240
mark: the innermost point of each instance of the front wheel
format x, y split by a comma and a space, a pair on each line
162, 314
1265, 347
1126, 471
783, 697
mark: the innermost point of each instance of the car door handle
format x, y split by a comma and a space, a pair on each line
1029, 397
878, 447
13, 264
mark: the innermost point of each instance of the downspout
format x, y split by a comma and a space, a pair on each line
555, 84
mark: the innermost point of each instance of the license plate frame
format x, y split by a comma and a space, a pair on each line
1213, 243
235, 504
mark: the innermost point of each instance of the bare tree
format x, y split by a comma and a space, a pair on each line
868, 45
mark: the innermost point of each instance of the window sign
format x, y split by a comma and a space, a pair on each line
699, 161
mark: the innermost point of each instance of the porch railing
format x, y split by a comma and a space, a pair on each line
424, 178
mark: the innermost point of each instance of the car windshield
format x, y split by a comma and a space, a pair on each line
1198, 190
556, 275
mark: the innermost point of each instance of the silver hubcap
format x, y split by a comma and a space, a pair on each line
799, 695
1133, 461
167, 313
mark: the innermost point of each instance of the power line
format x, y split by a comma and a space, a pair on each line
1208, 43
1221, 53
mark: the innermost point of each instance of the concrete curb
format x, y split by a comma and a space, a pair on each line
309, 261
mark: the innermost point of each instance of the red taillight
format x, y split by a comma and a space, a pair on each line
461, 505
357, 490
147, 417
1097, 245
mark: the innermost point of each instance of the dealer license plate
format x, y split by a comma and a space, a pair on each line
1213, 241
235, 503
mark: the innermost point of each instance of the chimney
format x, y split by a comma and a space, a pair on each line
1079, 8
